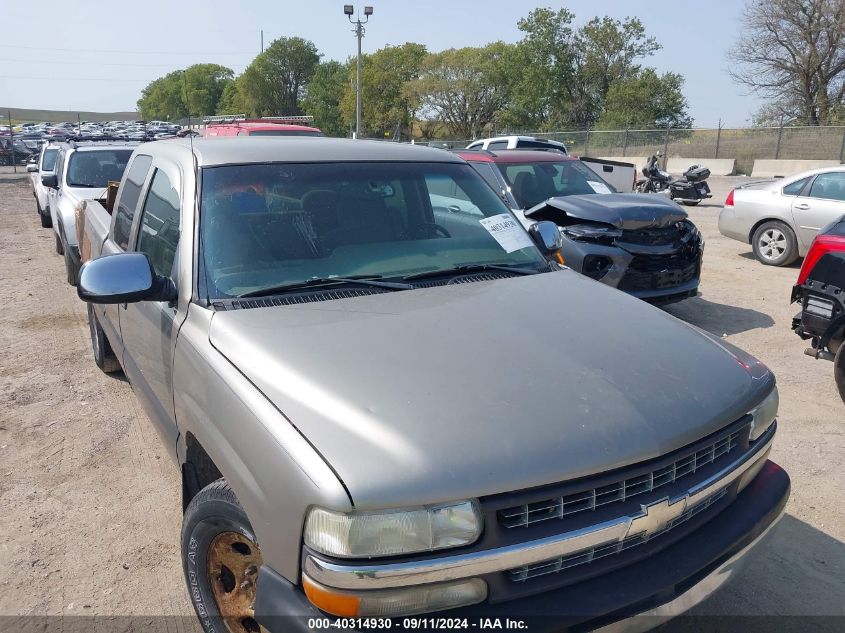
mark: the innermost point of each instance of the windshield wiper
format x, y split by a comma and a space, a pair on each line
471, 268
316, 282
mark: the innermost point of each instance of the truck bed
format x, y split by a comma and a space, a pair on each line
95, 221
621, 175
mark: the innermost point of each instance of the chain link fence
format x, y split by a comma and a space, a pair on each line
744, 145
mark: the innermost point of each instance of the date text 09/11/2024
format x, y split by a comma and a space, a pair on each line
417, 623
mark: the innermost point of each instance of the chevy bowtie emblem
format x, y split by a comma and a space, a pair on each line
656, 517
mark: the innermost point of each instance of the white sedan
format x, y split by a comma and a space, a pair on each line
780, 218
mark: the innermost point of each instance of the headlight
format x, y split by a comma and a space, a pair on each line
391, 532
764, 414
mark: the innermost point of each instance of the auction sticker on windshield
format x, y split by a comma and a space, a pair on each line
507, 232
598, 187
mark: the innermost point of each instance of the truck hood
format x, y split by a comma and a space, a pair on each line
459, 391
627, 211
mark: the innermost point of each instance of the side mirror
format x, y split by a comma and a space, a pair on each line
546, 236
123, 278
32, 168
51, 181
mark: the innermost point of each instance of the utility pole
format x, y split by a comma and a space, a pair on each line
12, 143
349, 10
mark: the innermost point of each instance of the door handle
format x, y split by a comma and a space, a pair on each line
802, 206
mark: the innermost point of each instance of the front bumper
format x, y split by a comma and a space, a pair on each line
661, 586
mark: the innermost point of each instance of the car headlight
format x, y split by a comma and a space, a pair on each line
764, 414
391, 532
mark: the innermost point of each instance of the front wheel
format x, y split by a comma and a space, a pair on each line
221, 559
44, 216
60, 249
839, 370
774, 244
104, 357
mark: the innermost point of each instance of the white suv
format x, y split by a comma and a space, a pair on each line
83, 172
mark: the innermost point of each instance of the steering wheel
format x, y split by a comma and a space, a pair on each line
436, 229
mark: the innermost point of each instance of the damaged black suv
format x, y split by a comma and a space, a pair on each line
642, 244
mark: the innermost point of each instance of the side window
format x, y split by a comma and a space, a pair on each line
830, 186
793, 189
497, 145
129, 195
60, 167
158, 235
487, 171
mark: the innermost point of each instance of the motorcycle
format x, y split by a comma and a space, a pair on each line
689, 190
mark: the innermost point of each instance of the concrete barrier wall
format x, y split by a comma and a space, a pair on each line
717, 166
774, 168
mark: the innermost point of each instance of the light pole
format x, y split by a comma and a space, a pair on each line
349, 10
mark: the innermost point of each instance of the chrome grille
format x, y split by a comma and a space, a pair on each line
559, 507
521, 574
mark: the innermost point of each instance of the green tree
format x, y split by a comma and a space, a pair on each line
543, 70
276, 80
194, 91
388, 105
646, 101
607, 51
465, 88
231, 101
322, 100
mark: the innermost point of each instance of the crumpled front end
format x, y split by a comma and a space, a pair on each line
656, 264
644, 245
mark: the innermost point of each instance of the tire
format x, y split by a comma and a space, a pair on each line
104, 357
839, 371
215, 532
690, 203
774, 244
60, 249
44, 216
70, 268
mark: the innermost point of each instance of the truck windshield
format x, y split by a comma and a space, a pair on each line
264, 226
533, 183
96, 168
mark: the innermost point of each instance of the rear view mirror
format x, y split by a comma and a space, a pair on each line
546, 236
122, 278
51, 181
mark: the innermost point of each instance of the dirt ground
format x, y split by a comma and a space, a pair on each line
90, 503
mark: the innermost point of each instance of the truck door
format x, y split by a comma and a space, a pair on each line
821, 205
121, 229
149, 328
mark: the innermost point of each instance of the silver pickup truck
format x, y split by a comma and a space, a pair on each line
385, 410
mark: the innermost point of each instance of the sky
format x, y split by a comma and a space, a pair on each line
97, 56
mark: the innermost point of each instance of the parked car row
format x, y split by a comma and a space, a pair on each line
386, 396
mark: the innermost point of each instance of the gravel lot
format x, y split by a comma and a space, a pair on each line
90, 503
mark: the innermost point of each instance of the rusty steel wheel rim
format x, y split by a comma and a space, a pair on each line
233, 563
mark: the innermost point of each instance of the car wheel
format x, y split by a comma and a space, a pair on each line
60, 249
44, 216
103, 354
839, 371
774, 244
70, 268
221, 559
690, 203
